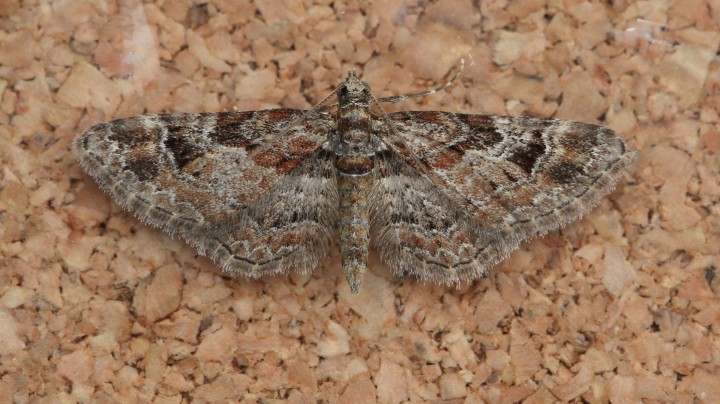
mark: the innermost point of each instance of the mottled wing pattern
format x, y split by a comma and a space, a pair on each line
289, 227
202, 176
414, 227
511, 178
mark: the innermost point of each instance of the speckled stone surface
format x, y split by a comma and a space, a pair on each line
621, 306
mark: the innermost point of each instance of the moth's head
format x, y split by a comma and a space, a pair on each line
354, 87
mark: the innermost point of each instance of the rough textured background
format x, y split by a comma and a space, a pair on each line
622, 305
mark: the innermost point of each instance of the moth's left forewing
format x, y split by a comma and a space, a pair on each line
196, 168
203, 176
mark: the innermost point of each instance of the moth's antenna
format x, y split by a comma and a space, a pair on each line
450, 194
458, 70
317, 107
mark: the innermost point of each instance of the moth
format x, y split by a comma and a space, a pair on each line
441, 196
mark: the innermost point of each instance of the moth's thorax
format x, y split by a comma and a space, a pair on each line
354, 125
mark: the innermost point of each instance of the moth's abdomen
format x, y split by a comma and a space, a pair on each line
355, 181
354, 225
